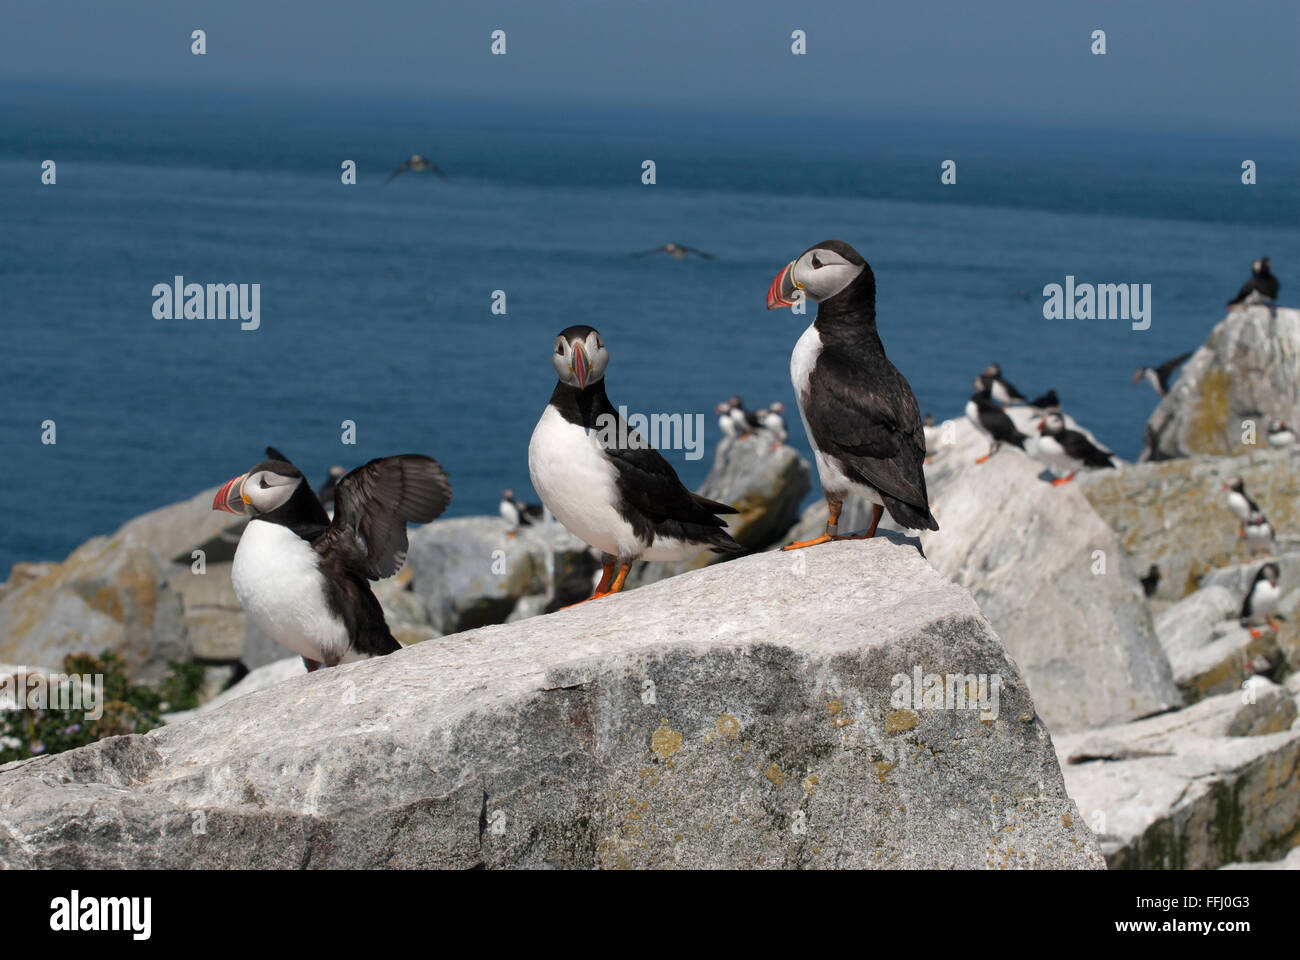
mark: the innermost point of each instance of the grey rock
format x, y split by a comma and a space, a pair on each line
1248, 369
1175, 514
1186, 790
1290, 862
259, 679
469, 573
1031, 555
1207, 647
745, 715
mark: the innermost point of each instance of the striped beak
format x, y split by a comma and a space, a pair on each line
230, 498
782, 292
581, 367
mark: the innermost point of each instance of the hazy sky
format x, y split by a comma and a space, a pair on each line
1186, 64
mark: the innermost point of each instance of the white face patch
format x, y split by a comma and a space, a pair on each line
821, 273
267, 490
595, 359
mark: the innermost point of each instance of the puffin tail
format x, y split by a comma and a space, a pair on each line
910, 517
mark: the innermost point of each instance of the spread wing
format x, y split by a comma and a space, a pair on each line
374, 503
646, 253
874, 428
699, 253
1169, 366
402, 169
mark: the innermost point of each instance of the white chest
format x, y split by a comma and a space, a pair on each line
576, 482
277, 578
1239, 505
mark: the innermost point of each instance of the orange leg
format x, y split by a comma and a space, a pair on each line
617, 585
602, 588
832, 527
1062, 480
512, 533
992, 450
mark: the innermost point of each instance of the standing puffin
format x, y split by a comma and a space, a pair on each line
516, 513
1280, 435
1258, 533
604, 482
1262, 286
1239, 501
858, 411
990, 419
301, 577
1002, 391
1067, 451
1261, 600
774, 423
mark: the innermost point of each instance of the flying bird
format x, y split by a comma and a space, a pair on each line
1159, 376
417, 164
858, 411
302, 577
1067, 451
1262, 286
675, 250
991, 419
604, 482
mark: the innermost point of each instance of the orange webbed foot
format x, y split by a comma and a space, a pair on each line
800, 544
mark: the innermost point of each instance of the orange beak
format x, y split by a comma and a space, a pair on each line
782, 291
230, 494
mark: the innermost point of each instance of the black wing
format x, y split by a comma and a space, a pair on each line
403, 168
874, 429
1000, 426
1082, 449
698, 253
1049, 399
1168, 367
646, 253
1012, 392
374, 503
660, 503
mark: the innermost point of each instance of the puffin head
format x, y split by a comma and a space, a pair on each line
1051, 424
992, 371
580, 357
1234, 484
262, 490
819, 273
1270, 572
1261, 267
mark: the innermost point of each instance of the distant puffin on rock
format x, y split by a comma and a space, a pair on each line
858, 411
1158, 377
604, 482
302, 577
1261, 600
1001, 389
1262, 286
990, 419
1067, 451
516, 513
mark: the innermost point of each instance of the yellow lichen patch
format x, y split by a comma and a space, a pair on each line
774, 773
728, 726
1067, 819
810, 783
665, 741
899, 720
838, 717
882, 769
1209, 420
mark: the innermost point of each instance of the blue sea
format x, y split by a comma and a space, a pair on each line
376, 298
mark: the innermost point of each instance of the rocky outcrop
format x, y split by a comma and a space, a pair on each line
1051, 577
1247, 370
752, 714
1175, 513
1213, 784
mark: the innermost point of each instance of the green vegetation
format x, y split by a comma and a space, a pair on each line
127, 708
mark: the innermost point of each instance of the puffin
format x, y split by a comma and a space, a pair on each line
858, 411
516, 513
1003, 392
725, 423
746, 421
1258, 533
677, 251
1067, 451
1261, 600
1262, 286
604, 482
302, 577
1239, 501
990, 419
770, 419
1047, 403
1280, 435
1158, 377
417, 164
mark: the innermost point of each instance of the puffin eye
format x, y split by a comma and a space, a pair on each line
559, 348
261, 481
817, 264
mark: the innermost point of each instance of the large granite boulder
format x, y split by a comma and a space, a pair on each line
1051, 577
1175, 513
1209, 650
1248, 369
753, 714
1214, 784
